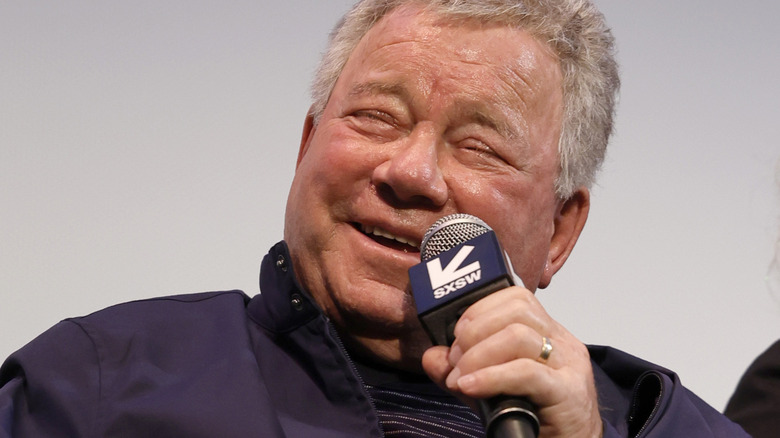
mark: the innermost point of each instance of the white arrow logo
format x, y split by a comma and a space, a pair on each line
439, 277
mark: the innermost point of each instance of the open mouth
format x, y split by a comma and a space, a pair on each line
386, 238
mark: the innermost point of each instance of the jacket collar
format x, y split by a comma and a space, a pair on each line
282, 304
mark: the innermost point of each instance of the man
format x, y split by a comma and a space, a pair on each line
421, 109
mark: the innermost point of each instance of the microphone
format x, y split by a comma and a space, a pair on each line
463, 262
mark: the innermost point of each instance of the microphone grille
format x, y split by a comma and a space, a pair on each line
449, 232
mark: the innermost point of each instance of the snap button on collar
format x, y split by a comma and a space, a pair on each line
281, 263
296, 301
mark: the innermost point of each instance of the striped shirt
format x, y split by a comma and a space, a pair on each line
411, 406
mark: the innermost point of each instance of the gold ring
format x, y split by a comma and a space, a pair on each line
547, 349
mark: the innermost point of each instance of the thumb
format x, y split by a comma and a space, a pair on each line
436, 365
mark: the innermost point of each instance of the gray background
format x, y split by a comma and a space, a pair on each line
146, 149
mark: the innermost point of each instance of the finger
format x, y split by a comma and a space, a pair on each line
522, 377
559, 394
495, 312
514, 304
436, 365
513, 341
543, 384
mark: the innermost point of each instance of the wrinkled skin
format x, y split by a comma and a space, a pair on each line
430, 118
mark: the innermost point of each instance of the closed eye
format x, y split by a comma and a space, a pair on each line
375, 123
478, 147
375, 115
478, 154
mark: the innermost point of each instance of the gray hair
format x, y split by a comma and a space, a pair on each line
574, 29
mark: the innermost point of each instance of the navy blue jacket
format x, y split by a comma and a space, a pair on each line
222, 364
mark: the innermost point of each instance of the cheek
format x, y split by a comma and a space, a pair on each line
316, 186
520, 213
331, 167
495, 199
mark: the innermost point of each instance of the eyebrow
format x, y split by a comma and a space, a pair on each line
373, 88
481, 117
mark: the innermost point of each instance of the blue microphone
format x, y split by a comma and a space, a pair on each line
463, 262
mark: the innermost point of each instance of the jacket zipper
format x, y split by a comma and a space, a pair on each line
337, 340
635, 403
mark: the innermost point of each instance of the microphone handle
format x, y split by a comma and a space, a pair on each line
509, 417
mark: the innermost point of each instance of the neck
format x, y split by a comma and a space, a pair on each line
404, 353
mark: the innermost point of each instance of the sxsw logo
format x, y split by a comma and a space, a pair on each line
453, 277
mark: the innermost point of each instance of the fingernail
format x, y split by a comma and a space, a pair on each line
460, 326
452, 379
454, 355
465, 382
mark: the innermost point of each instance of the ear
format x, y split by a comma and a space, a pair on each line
570, 218
308, 132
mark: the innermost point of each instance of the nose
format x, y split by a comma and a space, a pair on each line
411, 175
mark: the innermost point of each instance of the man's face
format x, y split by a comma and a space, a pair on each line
428, 118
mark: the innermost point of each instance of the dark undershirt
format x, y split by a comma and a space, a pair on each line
410, 405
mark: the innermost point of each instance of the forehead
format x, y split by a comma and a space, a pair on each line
455, 55
469, 40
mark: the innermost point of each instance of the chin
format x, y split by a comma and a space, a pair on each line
385, 313
388, 312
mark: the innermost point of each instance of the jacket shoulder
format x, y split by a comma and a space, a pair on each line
61, 383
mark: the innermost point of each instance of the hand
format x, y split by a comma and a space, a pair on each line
497, 348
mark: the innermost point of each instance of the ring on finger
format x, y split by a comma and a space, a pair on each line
547, 349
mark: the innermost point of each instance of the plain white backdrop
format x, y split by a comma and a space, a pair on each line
146, 149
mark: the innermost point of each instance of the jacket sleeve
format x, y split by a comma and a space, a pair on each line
673, 410
642, 400
50, 387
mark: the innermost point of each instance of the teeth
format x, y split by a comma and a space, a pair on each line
376, 231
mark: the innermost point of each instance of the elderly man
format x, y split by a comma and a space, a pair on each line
500, 109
